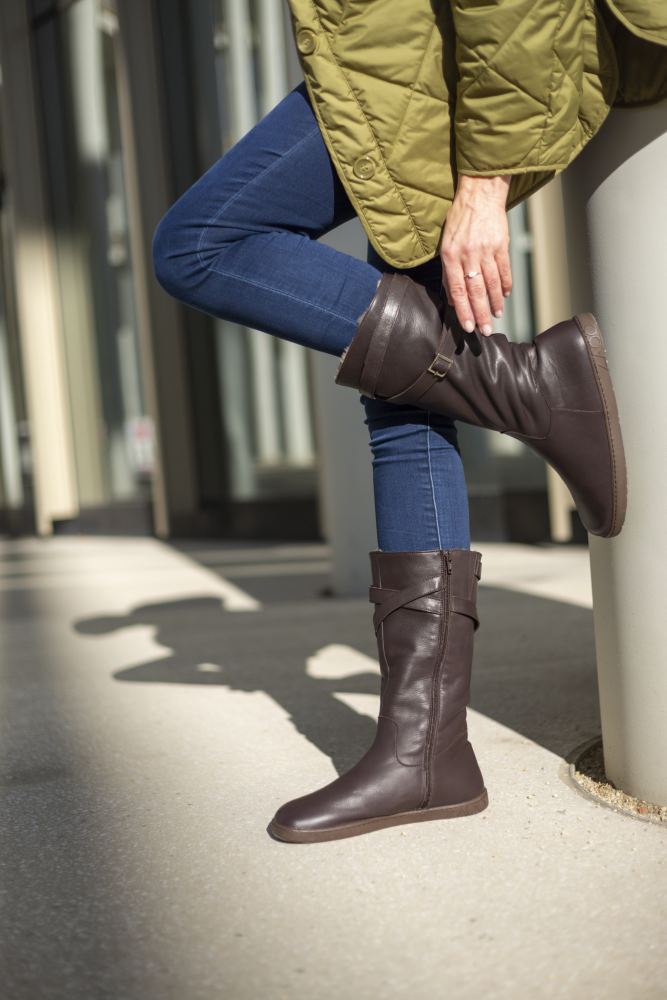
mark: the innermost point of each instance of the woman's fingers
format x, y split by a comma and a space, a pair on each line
504, 270
470, 289
478, 290
457, 293
494, 289
478, 297
475, 251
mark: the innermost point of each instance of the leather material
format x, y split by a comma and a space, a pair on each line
555, 394
420, 758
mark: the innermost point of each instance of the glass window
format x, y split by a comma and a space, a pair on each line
113, 436
264, 388
15, 455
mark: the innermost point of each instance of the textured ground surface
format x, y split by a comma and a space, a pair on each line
589, 773
158, 705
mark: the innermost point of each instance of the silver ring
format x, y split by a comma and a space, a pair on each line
472, 274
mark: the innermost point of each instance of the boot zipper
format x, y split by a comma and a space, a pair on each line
435, 693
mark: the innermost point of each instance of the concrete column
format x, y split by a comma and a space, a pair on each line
617, 187
35, 269
292, 367
244, 116
159, 317
85, 293
551, 286
347, 511
345, 468
346, 479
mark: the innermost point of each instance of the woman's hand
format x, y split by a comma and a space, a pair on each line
476, 239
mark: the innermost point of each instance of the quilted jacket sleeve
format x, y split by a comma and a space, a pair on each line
520, 80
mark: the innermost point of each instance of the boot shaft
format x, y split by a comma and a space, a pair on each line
425, 617
555, 394
409, 347
420, 765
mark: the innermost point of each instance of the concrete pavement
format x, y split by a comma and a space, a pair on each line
159, 704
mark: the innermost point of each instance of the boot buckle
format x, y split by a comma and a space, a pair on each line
438, 359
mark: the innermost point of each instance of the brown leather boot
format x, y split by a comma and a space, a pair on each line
420, 765
555, 394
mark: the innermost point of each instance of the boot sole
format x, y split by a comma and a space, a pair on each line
597, 352
293, 836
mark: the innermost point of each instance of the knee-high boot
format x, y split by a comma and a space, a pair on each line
555, 393
421, 765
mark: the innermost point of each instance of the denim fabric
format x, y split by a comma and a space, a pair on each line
242, 244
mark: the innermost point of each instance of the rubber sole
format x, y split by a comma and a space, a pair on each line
294, 836
597, 352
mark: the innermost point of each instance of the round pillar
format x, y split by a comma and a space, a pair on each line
617, 188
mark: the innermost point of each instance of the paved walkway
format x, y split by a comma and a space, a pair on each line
159, 704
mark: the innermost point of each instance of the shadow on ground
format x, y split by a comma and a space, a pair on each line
534, 668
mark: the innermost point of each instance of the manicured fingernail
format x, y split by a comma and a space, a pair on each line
469, 326
506, 294
498, 313
486, 330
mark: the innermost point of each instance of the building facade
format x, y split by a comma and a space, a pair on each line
120, 409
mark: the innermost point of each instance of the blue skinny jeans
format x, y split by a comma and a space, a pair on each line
242, 244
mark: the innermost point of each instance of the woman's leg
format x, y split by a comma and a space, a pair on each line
241, 244
421, 497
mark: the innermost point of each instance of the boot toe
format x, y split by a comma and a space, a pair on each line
300, 817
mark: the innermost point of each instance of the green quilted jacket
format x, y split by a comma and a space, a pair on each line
408, 93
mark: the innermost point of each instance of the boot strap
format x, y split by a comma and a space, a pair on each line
437, 370
380, 341
388, 600
463, 606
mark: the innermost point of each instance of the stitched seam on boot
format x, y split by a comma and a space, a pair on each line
607, 416
379, 361
396, 755
384, 652
442, 682
381, 715
531, 369
444, 633
459, 736
573, 409
560, 409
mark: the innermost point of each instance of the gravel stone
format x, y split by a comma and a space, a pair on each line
588, 771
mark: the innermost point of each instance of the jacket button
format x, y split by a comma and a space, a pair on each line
364, 167
306, 41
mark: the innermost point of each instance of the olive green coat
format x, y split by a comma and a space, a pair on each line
408, 93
